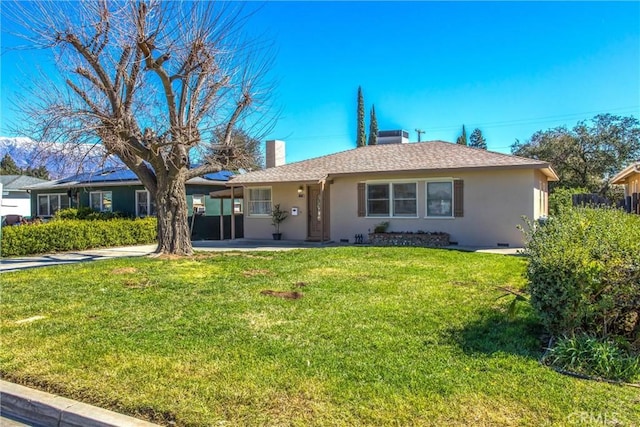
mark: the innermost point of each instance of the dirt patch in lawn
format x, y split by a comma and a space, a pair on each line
282, 294
256, 272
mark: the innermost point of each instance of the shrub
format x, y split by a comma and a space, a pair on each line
562, 198
85, 212
75, 234
584, 274
588, 355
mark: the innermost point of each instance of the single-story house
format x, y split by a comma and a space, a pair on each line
630, 178
120, 190
15, 197
476, 196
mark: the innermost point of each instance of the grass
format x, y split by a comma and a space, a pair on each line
381, 336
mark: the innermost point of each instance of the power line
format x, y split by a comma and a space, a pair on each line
505, 123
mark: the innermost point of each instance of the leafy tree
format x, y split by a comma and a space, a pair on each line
373, 127
462, 139
248, 150
477, 140
589, 154
8, 166
361, 137
148, 88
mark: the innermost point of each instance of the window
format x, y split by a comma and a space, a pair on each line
378, 200
49, 204
392, 199
101, 201
440, 199
145, 206
260, 201
237, 206
405, 201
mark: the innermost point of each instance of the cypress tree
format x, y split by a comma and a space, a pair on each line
462, 139
373, 127
361, 137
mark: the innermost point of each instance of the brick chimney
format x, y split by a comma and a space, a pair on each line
274, 153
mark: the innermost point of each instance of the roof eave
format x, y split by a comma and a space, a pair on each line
625, 173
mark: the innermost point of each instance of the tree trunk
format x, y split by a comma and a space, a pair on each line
174, 236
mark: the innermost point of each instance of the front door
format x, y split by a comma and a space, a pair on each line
318, 219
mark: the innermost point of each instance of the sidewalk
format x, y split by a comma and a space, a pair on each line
23, 406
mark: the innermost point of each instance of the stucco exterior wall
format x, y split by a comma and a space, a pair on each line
540, 195
632, 184
494, 203
292, 228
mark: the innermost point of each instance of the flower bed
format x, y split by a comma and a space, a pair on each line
436, 239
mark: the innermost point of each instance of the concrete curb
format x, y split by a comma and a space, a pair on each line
44, 409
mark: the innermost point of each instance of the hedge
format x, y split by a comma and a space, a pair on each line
584, 274
72, 235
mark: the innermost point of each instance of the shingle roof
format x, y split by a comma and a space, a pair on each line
410, 157
19, 182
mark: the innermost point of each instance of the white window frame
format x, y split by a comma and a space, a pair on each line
150, 205
102, 209
238, 206
49, 195
392, 198
267, 203
426, 196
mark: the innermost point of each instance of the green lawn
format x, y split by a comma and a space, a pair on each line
381, 336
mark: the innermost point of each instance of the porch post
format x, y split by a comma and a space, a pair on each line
233, 214
322, 212
221, 218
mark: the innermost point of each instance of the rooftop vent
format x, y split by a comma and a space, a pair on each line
393, 137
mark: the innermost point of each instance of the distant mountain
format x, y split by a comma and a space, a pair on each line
59, 159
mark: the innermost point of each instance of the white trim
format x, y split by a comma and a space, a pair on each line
149, 204
248, 207
391, 199
426, 198
101, 192
38, 213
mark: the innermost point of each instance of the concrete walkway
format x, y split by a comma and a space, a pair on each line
21, 263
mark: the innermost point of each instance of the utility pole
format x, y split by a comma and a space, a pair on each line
420, 132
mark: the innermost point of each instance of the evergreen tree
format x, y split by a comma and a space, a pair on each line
8, 166
477, 140
361, 137
39, 172
462, 139
373, 127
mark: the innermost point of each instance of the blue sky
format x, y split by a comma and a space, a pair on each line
508, 68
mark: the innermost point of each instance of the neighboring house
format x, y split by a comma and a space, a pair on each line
630, 178
477, 196
120, 190
15, 196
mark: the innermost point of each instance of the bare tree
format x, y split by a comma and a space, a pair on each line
150, 82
